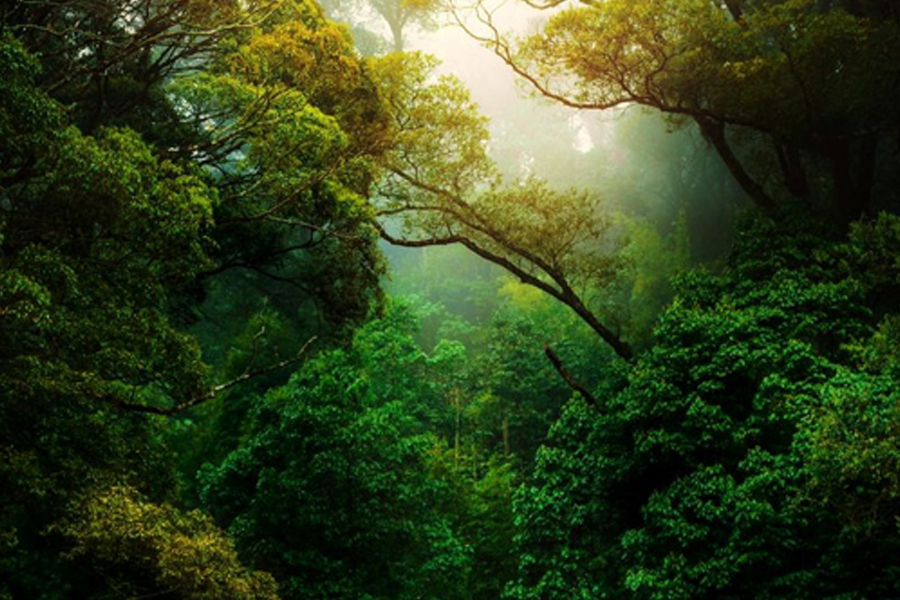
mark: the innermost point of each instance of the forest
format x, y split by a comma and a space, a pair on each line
599, 299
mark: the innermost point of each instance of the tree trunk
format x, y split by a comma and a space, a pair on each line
853, 179
714, 132
868, 155
734, 7
396, 26
457, 428
792, 169
505, 427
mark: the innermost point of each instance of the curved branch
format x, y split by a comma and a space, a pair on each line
501, 49
712, 126
484, 228
567, 377
564, 294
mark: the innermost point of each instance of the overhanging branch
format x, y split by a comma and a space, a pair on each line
564, 294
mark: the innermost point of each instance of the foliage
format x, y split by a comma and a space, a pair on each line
485, 337
107, 60
721, 465
852, 454
336, 444
143, 548
808, 81
190, 190
97, 231
118, 207
525, 394
479, 504
296, 125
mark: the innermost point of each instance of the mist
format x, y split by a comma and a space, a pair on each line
651, 174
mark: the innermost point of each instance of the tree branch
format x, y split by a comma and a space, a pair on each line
714, 132
565, 295
215, 390
567, 377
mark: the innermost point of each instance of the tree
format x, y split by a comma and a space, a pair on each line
441, 188
106, 232
226, 87
525, 395
397, 14
95, 234
332, 491
108, 59
723, 465
143, 548
810, 82
296, 125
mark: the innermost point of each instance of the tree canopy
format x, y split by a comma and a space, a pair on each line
703, 475
209, 387
812, 83
441, 187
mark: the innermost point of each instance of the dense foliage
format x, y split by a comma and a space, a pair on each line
728, 461
208, 389
331, 490
120, 204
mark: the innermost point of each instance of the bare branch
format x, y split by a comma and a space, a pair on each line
567, 377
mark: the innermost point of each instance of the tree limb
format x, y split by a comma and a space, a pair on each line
215, 390
712, 126
714, 132
565, 295
567, 377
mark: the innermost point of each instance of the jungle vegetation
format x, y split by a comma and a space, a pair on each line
283, 314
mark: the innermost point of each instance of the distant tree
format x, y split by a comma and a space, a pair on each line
397, 14
525, 395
